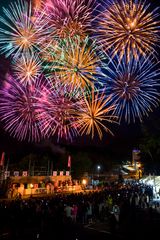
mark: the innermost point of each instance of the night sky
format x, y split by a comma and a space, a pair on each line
124, 140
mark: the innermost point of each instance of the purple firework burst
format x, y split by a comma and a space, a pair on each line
59, 103
18, 109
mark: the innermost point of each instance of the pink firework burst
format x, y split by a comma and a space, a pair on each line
59, 103
71, 18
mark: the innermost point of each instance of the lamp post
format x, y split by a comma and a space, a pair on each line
98, 169
31, 186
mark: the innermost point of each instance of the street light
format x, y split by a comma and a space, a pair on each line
84, 181
98, 169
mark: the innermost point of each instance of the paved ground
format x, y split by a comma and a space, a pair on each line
102, 231
76, 233
135, 228
139, 224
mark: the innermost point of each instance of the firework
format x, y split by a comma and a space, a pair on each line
134, 87
128, 27
18, 110
71, 18
78, 63
93, 113
51, 53
56, 118
53, 39
37, 4
21, 31
27, 68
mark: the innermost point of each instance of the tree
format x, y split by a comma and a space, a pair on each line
149, 144
81, 163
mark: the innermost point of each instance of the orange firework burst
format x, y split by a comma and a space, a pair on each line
78, 63
93, 112
128, 27
27, 68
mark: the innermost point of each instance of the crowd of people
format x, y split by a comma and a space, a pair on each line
120, 206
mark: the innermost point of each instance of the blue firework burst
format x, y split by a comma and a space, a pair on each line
134, 86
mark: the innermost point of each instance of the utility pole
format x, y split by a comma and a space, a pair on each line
48, 167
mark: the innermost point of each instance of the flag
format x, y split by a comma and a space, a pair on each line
2, 159
69, 161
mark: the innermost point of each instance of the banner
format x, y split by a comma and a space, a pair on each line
24, 173
16, 173
2, 159
69, 161
54, 173
61, 173
67, 173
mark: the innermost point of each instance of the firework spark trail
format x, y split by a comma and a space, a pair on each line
128, 27
134, 86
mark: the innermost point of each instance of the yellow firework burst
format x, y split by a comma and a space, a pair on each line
128, 27
27, 68
78, 64
93, 113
